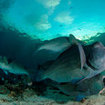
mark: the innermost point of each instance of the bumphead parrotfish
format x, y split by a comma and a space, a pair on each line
68, 67
72, 65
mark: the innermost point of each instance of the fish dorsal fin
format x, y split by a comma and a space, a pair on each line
72, 39
81, 50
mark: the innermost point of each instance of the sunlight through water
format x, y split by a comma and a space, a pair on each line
48, 19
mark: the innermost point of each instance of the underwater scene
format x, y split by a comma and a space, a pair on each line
52, 52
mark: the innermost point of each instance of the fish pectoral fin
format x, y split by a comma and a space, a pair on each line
82, 55
81, 50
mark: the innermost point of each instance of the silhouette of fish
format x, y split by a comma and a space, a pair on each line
50, 50
68, 66
72, 65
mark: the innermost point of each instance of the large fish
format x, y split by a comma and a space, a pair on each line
50, 50
68, 66
72, 65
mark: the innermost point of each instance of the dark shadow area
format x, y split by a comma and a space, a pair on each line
18, 47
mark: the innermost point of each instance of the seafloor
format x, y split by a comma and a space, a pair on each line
19, 94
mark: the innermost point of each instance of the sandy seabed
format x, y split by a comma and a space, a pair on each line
15, 95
